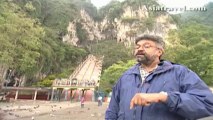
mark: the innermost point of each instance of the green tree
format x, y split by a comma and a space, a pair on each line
51, 13
204, 16
113, 73
81, 33
88, 7
111, 11
30, 48
21, 39
192, 46
112, 52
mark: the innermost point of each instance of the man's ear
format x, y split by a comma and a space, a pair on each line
161, 51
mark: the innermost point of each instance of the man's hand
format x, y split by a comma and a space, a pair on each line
145, 99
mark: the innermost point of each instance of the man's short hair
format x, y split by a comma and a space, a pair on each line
154, 38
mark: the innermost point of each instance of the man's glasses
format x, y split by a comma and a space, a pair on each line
144, 46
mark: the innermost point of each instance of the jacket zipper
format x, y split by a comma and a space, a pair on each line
138, 91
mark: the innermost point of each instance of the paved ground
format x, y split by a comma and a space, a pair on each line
41, 110
52, 111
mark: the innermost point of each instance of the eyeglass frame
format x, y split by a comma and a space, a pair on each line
145, 46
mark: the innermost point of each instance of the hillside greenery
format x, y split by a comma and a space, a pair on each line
32, 49
116, 52
192, 46
204, 17
113, 73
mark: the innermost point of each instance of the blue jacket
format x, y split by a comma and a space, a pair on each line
188, 96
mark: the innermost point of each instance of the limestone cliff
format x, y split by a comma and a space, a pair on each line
71, 37
132, 23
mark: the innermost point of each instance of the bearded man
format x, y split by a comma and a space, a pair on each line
156, 89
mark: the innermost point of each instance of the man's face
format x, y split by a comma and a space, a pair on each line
147, 52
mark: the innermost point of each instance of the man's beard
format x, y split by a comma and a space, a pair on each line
145, 58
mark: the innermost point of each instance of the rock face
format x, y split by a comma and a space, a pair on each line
71, 37
88, 24
132, 23
127, 31
91, 26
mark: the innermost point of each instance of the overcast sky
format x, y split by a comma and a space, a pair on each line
168, 3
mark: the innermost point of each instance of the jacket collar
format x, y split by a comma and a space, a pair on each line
162, 67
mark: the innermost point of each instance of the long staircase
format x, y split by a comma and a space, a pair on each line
86, 75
